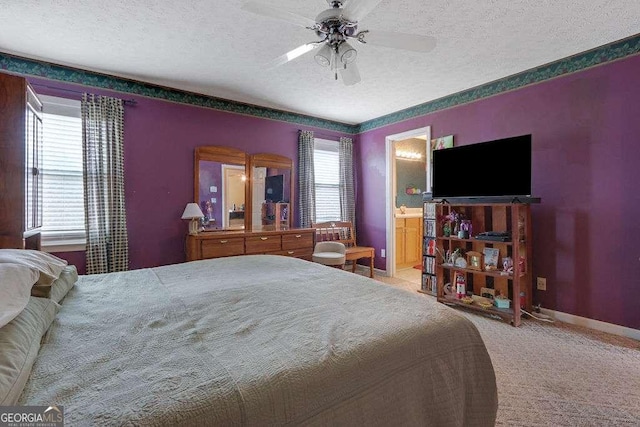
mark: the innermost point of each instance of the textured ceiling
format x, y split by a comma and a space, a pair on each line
215, 48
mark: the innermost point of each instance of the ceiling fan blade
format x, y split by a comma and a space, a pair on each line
355, 10
292, 54
404, 41
272, 12
350, 75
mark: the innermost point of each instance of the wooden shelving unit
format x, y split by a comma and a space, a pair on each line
428, 282
511, 217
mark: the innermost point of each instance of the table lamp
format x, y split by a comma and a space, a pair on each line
193, 212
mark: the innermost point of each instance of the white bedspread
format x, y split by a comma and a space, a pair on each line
259, 340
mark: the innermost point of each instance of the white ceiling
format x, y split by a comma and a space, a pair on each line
215, 48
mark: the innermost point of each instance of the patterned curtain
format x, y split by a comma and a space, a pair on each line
103, 176
306, 179
347, 195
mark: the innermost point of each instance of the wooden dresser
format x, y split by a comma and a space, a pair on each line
295, 242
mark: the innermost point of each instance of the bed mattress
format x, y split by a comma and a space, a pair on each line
259, 340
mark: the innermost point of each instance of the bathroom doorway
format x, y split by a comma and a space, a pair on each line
407, 159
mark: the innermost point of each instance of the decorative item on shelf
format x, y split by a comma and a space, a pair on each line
501, 301
491, 256
447, 220
403, 209
455, 256
461, 290
448, 292
485, 304
522, 264
465, 229
193, 212
507, 265
460, 262
474, 260
488, 293
446, 229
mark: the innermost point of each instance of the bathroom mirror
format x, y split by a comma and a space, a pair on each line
221, 187
271, 191
411, 175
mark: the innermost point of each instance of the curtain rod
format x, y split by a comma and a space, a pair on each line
126, 101
325, 135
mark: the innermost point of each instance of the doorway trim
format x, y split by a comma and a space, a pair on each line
390, 188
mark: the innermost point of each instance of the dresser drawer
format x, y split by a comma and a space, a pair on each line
297, 241
263, 244
298, 253
215, 248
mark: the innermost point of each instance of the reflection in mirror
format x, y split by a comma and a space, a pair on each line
411, 174
221, 187
271, 191
233, 182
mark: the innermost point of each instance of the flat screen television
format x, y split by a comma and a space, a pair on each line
488, 169
274, 188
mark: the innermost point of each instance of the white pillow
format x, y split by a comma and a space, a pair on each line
15, 289
49, 266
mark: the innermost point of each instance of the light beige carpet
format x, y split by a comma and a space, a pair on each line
556, 374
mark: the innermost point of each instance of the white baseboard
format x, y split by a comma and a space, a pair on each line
593, 324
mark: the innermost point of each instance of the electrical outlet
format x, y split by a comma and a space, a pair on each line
542, 284
383, 253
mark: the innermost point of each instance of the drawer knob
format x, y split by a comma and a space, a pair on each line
223, 241
290, 252
263, 238
298, 236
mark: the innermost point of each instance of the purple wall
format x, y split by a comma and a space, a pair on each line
160, 138
586, 157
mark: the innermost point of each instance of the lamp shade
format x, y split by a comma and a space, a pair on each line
346, 53
323, 57
192, 211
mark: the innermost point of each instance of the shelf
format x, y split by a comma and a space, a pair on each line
496, 273
426, 292
506, 313
492, 242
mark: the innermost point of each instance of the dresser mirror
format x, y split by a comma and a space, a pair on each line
221, 187
271, 191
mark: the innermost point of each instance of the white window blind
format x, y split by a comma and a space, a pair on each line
63, 189
326, 168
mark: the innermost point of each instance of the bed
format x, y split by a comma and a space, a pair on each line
258, 340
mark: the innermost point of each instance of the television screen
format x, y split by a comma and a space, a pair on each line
494, 168
274, 188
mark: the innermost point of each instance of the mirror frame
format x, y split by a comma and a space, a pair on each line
271, 161
224, 155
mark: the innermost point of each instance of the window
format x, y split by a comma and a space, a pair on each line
63, 189
326, 168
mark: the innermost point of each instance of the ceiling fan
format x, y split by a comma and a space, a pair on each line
335, 27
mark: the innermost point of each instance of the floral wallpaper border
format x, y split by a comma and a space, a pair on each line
35, 68
598, 56
607, 53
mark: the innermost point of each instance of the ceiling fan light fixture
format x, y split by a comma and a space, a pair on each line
346, 53
323, 57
